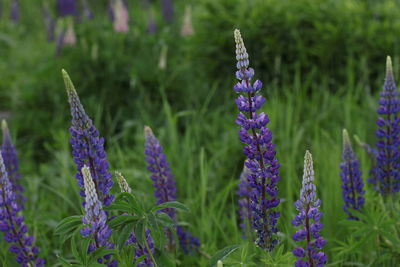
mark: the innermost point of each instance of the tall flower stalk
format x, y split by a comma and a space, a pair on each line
309, 218
10, 158
15, 231
387, 177
95, 219
139, 249
352, 187
165, 187
88, 147
259, 149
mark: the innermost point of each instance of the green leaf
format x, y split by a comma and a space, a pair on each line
164, 219
164, 260
122, 219
134, 203
140, 231
171, 205
222, 254
124, 234
157, 231
120, 206
68, 224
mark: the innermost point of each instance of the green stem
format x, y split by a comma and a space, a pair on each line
148, 248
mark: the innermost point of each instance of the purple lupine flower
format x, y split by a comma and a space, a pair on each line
259, 149
164, 183
387, 179
142, 250
88, 147
15, 231
50, 23
95, 219
352, 187
244, 194
309, 219
165, 186
14, 11
10, 158
167, 10
187, 242
87, 11
151, 23
66, 8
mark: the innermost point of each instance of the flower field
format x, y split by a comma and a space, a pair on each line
199, 133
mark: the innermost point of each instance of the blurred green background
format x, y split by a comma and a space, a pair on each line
322, 64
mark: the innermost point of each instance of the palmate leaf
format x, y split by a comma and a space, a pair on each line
222, 254
123, 235
163, 259
68, 226
171, 205
157, 231
122, 220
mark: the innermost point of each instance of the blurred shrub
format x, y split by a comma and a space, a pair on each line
328, 37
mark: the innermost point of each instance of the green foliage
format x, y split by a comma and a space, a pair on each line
322, 64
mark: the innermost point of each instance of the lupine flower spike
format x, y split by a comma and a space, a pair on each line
87, 11
95, 219
14, 13
352, 187
88, 147
10, 159
165, 186
49, 22
70, 36
120, 17
139, 250
167, 10
259, 149
387, 179
12, 224
187, 26
123, 184
308, 219
244, 193
66, 8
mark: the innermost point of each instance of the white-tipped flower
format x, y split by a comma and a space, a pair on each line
123, 184
187, 26
90, 189
307, 192
241, 54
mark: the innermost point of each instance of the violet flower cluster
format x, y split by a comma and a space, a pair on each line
244, 194
142, 250
309, 219
259, 150
95, 220
167, 10
10, 159
88, 147
386, 178
352, 187
66, 8
14, 11
165, 186
12, 224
